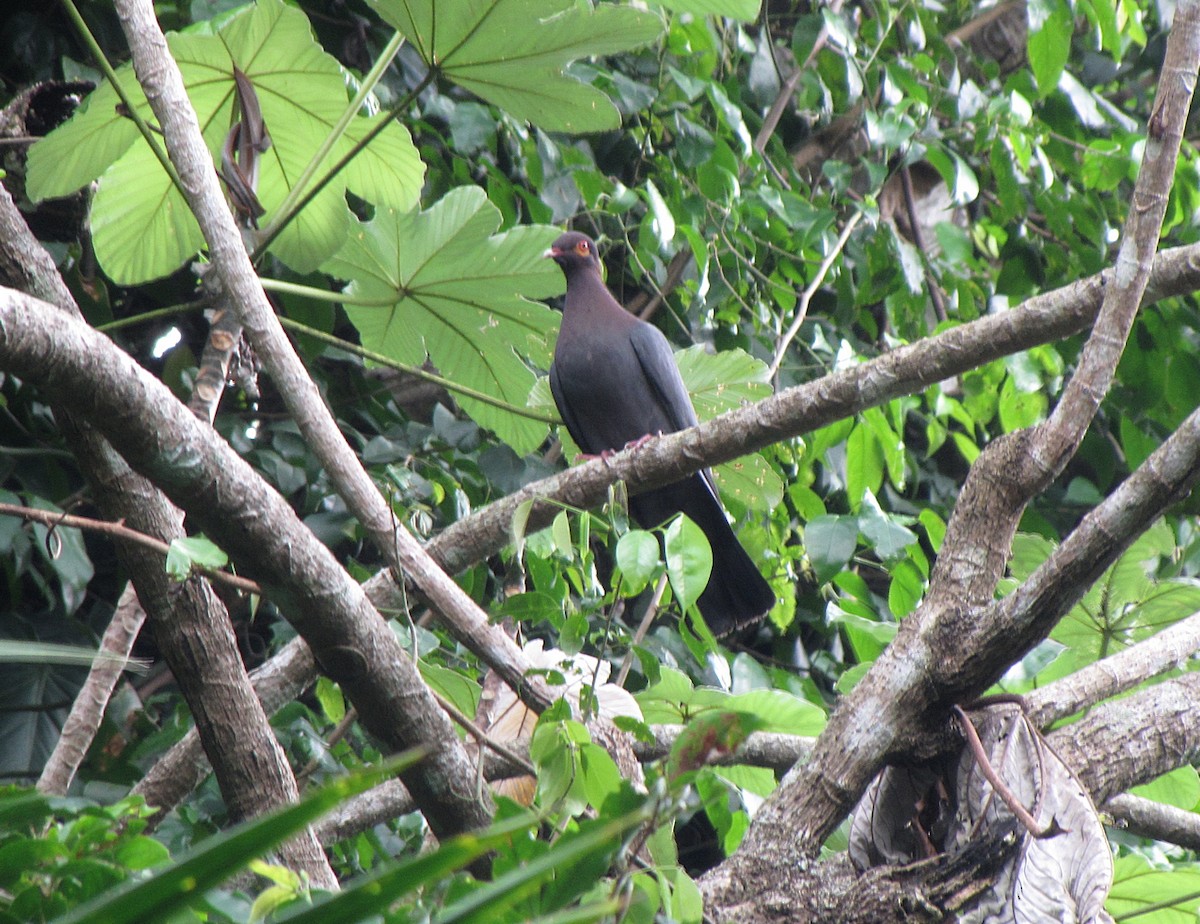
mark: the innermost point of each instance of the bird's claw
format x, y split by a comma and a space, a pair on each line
642, 440
591, 456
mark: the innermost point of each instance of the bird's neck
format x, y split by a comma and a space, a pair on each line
588, 296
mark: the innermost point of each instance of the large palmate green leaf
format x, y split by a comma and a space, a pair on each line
514, 52
735, 9
442, 283
141, 225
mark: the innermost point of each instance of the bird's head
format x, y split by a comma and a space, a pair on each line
573, 252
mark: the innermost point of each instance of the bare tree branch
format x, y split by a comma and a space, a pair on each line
164, 88
956, 644
259, 531
191, 624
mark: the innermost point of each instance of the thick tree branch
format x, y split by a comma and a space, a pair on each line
190, 623
955, 644
1167, 650
262, 534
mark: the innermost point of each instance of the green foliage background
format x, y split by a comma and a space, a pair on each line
513, 118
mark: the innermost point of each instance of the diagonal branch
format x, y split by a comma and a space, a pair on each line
164, 88
957, 642
158, 436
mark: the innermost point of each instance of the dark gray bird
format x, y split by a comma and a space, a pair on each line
615, 381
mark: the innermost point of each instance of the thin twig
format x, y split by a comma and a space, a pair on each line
998, 785
119, 530
481, 736
643, 628
810, 290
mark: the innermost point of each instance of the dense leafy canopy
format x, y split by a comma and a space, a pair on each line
913, 178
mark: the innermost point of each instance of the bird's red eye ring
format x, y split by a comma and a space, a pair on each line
582, 248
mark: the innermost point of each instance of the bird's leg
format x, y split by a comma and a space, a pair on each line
642, 440
609, 453
605, 454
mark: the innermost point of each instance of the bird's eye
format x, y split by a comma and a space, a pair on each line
583, 247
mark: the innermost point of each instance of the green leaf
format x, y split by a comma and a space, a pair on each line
1180, 788
720, 382
141, 226
453, 685
868, 636
1050, 29
441, 283
779, 711
638, 558
708, 737
864, 463
514, 53
182, 884
746, 10
191, 551
906, 589
889, 538
379, 889
665, 702
751, 481
329, 695
1138, 887
830, 542
689, 560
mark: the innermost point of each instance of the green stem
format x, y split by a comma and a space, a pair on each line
324, 295
85, 34
283, 214
168, 312
283, 218
381, 360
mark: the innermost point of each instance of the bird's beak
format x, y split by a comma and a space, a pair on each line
550, 253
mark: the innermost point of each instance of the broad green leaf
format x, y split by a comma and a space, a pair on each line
666, 701
830, 541
710, 736
1050, 28
514, 53
864, 463
220, 856
454, 686
888, 537
1180, 788
720, 382
751, 481
1172, 894
442, 284
191, 551
141, 226
689, 560
375, 891
868, 636
906, 589
778, 711
638, 558
746, 10
329, 695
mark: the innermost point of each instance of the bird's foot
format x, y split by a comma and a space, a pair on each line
591, 456
642, 440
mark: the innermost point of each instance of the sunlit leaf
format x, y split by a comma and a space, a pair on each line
514, 53
442, 284
140, 224
689, 560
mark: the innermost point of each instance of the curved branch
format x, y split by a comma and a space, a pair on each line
259, 531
